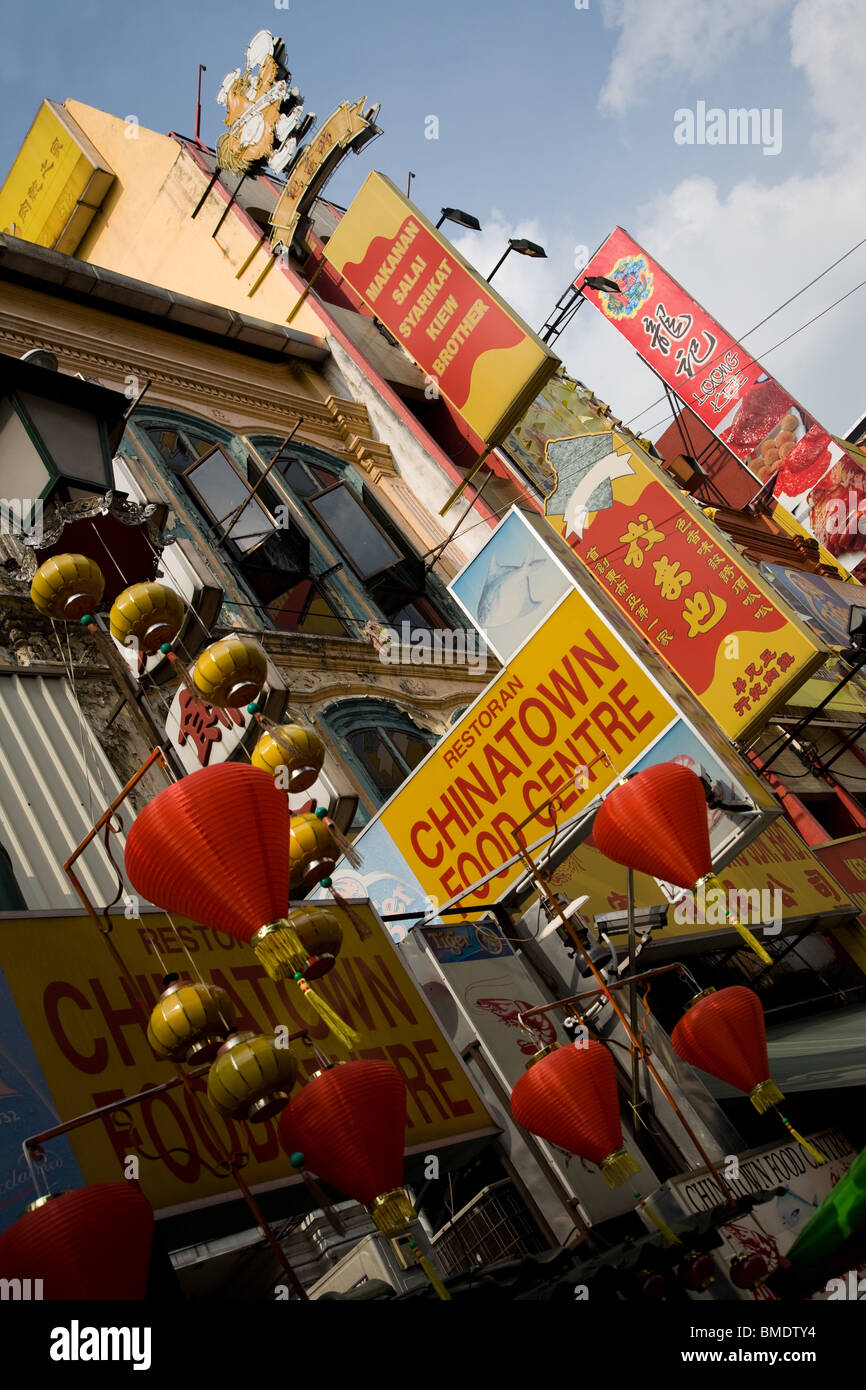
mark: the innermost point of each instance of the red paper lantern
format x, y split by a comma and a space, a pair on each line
570, 1099
215, 847
723, 1033
349, 1123
93, 1243
748, 1269
657, 823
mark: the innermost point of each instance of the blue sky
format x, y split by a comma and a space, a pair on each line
555, 123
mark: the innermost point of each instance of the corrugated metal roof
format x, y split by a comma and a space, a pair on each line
54, 783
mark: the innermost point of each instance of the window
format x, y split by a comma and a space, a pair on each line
388, 755
229, 500
179, 449
355, 533
303, 559
385, 745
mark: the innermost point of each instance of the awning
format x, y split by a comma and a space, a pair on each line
813, 1054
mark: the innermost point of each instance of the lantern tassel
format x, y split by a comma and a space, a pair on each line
765, 1096
657, 1221
357, 921
280, 950
819, 1157
183, 673
346, 848
749, 938
276, 734
618, 1166
345, 1035
437, 1285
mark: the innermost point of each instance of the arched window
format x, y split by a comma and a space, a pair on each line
301, 528
343, 509
381, 741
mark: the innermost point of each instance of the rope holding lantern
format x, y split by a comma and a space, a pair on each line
215, 847
568, 1096
146, 615
656, 823
723, 1033
67, 587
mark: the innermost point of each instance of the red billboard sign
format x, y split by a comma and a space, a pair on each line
763, 426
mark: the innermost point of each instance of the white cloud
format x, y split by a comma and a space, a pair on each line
743, 251
531, 286
661, 38
827, 43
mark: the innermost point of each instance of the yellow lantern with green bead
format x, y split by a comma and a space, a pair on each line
305, 942
190, 1021
251, 1077
67, 587
146, 615
300, 751
230, 672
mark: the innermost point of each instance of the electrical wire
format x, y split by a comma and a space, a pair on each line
771, 315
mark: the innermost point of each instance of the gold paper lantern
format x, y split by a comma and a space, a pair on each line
251, 1077
190, 1021
67, 587
295, 748
306, 942
230, 672
146, 614
312, 852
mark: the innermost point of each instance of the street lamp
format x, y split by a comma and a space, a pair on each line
463, 219
602, 284
56, 434
523, 248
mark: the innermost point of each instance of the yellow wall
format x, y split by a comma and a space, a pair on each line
145, 228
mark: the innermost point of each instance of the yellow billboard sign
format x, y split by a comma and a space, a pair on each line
486, 362
87, 1026
56, 185
678, 582
776, 862
571, 693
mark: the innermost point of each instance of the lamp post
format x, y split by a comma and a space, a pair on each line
523, 248
57, 434
600, 283
463, 219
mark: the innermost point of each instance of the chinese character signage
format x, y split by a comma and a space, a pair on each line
85, 1044
680, 584
572, 692
817, 479
350, 127
485, 361
56, 185
777, 865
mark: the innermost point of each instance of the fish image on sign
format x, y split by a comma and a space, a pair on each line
510, 587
